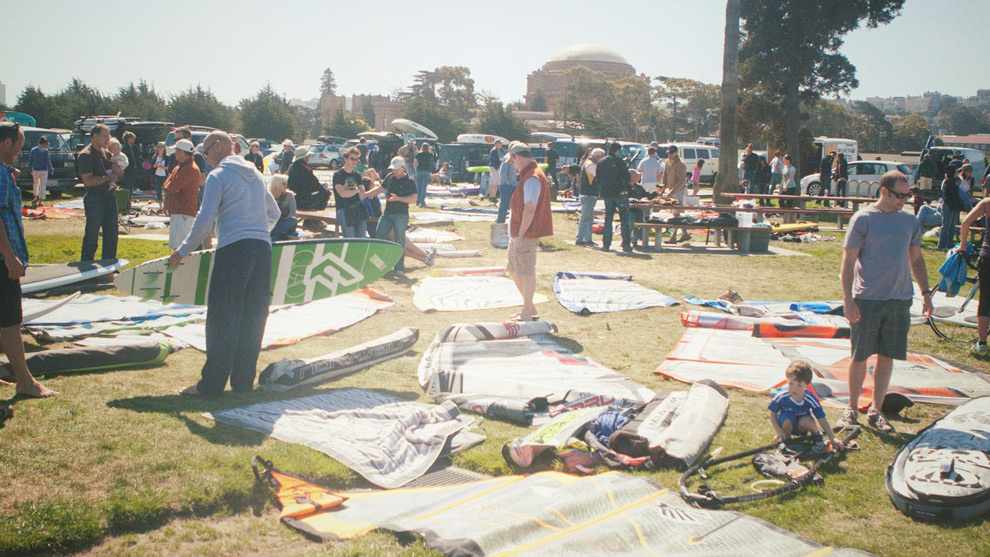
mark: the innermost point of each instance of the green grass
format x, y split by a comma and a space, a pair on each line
119, 464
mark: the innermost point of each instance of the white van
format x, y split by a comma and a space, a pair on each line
848, 147
692, 152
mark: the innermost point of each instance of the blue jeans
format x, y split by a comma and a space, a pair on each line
620, 204
236, 315
348, 230
159, 182
422, 180
587, 219
101, 213
775, 179
398, 224
283, 229
947, 235
504, 198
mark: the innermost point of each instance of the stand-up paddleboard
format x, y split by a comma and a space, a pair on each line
38, 278
301, 271
944, 472
44, 308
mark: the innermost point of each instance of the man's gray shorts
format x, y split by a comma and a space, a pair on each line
882, 329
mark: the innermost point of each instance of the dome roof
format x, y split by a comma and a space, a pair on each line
588, 52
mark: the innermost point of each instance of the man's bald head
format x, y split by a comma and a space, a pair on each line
217, 146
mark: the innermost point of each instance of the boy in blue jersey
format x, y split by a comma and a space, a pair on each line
796, 409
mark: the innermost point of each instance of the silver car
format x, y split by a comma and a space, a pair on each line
864, 179
325, 156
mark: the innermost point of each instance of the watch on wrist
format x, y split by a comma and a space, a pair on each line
927, 292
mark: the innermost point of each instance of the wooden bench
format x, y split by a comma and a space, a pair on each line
739, 237
327, 216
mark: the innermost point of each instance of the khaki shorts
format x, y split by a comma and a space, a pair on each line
522, 256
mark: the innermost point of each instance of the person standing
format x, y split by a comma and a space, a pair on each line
927, 170
348, 191
588, 190
649, 170
507, 179
131, 172
495, 157
41, 168
181, 193
825, 174
254, 156
673, 180
310, 193
160, 163
750, 162
612, 177
982, 210
776, 174
761, 180
841, 177
951, 207
185, 132
237, 201
881, 251
400, 192
14, 256
362, 146
788, 186
408, 153
552, 158
529, 220
100, 202
425, 163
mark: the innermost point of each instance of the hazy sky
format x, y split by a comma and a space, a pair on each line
234, 48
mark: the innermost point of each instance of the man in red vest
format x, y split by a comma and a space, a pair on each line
529, 220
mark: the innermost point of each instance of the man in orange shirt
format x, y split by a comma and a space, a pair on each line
181, 192
529, 220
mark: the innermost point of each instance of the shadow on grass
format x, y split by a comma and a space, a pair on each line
568, 343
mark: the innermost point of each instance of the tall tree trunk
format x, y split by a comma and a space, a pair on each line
727, 180
792, 125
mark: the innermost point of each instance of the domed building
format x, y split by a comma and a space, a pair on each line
549, 83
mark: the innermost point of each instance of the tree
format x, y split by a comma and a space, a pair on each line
727, 180
495, 119
697, 102
450, 87
879, 130
202, 108
791, 50
140, 100
442, 121
343, 126
269, 115
34, 102
368, 112
910, 133
963, 120
538, 104
328, 85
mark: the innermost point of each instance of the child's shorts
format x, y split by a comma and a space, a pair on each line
784, 417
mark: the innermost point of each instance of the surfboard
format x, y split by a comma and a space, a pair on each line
38, 278
794, 227
543, 165
413, 128
44, 308
482, 138
302, 271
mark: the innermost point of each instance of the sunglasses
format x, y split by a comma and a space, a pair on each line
355, 159
904, 195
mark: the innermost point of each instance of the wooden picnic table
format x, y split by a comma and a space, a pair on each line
790, 214
327, 216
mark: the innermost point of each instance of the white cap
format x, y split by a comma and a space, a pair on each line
181, 145
397, 162
287, 142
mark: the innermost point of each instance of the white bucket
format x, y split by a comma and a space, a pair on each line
745, 219
500, 235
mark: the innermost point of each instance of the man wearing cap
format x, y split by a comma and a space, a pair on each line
400, 191
529, 220
495, 157
612, 179
100, 201
310, 193
184, 132
285, 157
181, 192
673, 180
13, 258
237, 201
649, 170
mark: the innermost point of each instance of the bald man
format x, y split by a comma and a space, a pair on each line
237, 201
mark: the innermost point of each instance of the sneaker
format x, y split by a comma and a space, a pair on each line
848, 419
685, 236
431, 257
819, 447
980, 350
627, 249
879, 421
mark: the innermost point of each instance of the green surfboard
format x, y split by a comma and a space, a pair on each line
301, 271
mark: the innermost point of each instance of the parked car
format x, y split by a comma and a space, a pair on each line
146, 135
462, 156
864, 178
63, 161
692, 152
325, 156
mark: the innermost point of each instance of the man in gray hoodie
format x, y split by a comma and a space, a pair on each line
238, 202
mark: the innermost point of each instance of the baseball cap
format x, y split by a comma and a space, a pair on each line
181, 145
287, 142
672, 149
966, 168
519, 148
397, 162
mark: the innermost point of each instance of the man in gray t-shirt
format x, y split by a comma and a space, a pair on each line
882, 250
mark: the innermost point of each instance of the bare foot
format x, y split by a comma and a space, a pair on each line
5, 383
190, 391
36, 390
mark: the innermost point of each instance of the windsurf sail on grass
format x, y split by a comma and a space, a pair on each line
585, 293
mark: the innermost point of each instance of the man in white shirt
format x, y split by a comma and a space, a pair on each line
650, 169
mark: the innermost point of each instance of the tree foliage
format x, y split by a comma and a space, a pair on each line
449, 87
910, 133
963, 120
538, 104
791, 50
328, 85
268, 114
140, 100
694, 105
496, 119
342, 125
445, 123
198, 106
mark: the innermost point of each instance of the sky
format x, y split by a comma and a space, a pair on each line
376, 47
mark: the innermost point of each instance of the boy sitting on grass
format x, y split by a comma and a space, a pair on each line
791, 411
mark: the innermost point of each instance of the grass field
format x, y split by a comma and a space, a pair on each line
121, 465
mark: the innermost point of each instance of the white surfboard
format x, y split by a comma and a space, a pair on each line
44, 308
413, 128
38, 278
482, 138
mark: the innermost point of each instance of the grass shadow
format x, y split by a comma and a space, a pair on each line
568, 343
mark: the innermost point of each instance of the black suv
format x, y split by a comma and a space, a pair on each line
63, 161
